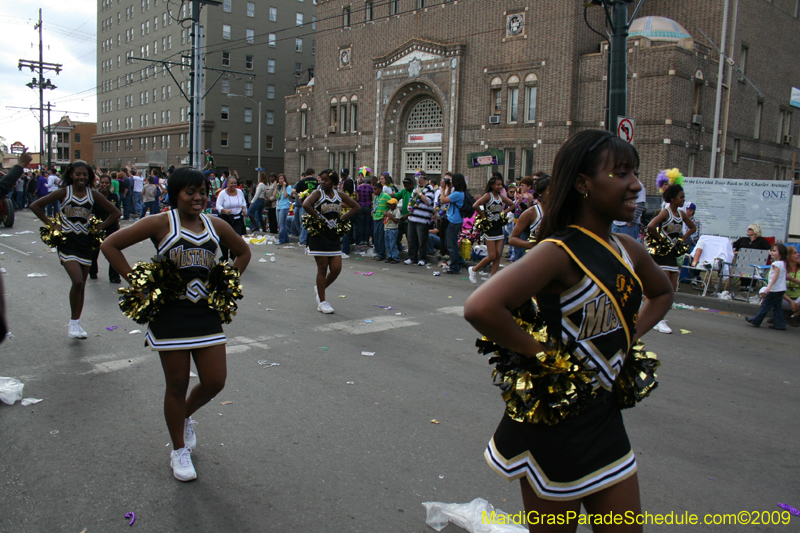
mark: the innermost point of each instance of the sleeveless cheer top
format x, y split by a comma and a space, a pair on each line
76, 212
494, 208
329, 208
536, 223
673, 226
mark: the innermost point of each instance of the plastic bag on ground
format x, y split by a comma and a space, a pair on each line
10, 390
477, 516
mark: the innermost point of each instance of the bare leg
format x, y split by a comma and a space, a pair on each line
673, 278
498, 253
212, 372
322, 274
335, 266
486, 260
617, 499
77, 274
534, 503
176, 373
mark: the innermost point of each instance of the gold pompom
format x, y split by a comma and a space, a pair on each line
315, 226
483, 225
637, 379
224, 288
152, 285
343, 227
52, 237
96, 235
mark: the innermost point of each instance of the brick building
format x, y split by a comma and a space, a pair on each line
71, 140
409, 84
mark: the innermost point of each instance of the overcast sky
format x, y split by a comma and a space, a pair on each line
70, 38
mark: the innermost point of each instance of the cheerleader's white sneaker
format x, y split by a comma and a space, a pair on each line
473, 277
662, 327
76, 331
181, 463
325, 307
316, 294
189, 436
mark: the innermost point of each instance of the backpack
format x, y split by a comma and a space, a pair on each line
466, 209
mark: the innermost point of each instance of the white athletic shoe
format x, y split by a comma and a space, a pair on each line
181, 463
662, 327
408, 262
325, 307
316, 294
345, 256
77, 332
473, 277
422, 262
189, 436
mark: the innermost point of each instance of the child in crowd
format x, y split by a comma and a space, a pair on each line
379, 206
774, 291
391, 221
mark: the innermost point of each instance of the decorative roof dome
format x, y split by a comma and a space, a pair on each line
658, 29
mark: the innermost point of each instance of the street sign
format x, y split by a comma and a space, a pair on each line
625, 129
17, 148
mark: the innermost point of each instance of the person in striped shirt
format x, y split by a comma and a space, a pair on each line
420, 213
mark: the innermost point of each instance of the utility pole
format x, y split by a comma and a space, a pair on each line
196, 78
41, 84
715, 136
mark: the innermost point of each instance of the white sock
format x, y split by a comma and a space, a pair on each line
75, 322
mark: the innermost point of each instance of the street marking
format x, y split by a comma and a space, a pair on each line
358, 327
12, 248
119, 364
454, 310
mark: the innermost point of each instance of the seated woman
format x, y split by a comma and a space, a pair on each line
753, 240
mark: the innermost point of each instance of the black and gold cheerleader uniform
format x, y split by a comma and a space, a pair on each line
672, 228
328, 244
534, 227
188, 322
75, 216
590, 451
494, 212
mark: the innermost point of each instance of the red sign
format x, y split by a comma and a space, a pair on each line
625, 129
17, 148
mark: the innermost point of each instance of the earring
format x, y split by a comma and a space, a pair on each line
586, 194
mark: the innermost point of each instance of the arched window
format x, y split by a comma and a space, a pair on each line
531, 82
426, 115
343, 114
332, 116
354, 113
513, 99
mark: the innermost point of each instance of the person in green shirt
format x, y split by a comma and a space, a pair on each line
379, 207
405, 194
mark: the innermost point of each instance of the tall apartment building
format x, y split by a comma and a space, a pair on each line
255, 49
449, 84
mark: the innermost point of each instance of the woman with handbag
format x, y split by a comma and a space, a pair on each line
231, 206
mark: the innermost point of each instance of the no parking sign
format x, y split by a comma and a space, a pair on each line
625, 129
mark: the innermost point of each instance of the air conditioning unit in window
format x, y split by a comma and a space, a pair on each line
697, 119
494, 119
787, 139
332, 129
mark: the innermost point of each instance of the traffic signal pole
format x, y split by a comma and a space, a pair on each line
618, 63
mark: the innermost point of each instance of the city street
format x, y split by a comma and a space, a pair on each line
335, 441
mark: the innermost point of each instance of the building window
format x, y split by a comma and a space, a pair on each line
77, 154
530, 104
250, 35
251, 9
743, 62
298, 45
248, 88
353, 117
343, 117
527, 162
270, 117
332, 117
248, 115
303, 160
691, 164
273, 40
736, 148
224, 112
226, 6
331, 160
77, 137
426, 115
759, 113
270, 142
513, 100
314, 21
303, 123
420, 4
270, 92
248, 141
226, 32
346, 17
697, 105
270, 66
298, 19
496, 96
393, 7
370, 14
313, 48
784, 126
248, 62
273, 14
223, 139
226, 59
511, 165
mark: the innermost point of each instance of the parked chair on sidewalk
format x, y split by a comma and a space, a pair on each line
710, 255
745, 268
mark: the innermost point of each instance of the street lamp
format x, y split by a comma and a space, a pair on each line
259, 169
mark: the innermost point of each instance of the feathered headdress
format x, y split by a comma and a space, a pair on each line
672, 176
364, 171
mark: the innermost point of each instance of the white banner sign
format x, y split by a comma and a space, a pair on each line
795, 101
727, 207
425, 138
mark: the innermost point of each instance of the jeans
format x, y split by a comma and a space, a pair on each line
363, 225
418, 241
298, 224
378, 239
126, 206
390, 236
137, 204
151, 206
628, 229
456, 261
19, 198
283, 237
53, 209
434, 241
516, 252
237, 223
256, 214
348, 239
772, 302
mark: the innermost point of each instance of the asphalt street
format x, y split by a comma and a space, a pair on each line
335, 441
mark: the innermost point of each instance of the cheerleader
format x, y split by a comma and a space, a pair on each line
187, 328
490, 206
671, 222
325, 203
532, 217
588, 284
77, 200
